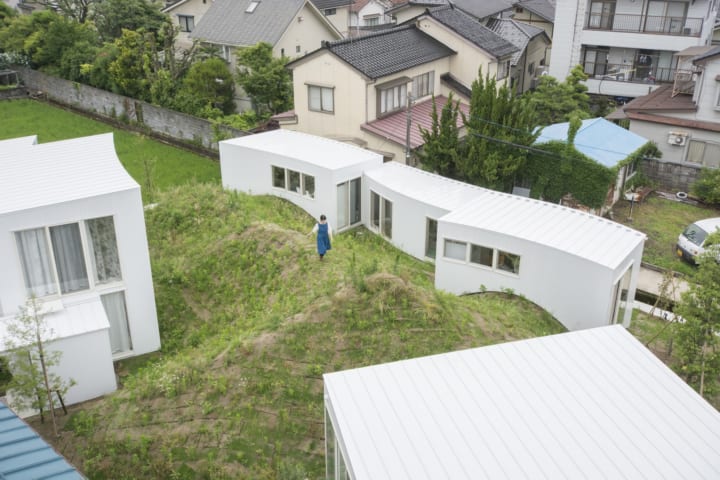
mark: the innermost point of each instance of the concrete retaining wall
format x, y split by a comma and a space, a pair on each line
160, 121
670, 176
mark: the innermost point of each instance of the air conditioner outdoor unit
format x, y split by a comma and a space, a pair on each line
677, 138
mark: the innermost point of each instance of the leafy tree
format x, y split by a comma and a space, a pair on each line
707, 186
696, 343
6, 15
265, 79
75, 62
113, 16
62, 37
77, 10
25, 33
557, 102
442, 144
208, 83
33, 382
98, 73
500, 124
128, 70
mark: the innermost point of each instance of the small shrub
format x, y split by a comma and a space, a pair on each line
707, 186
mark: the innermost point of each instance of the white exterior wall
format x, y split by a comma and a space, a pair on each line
191, 8
126, 209
307, 30
406, 13
372, 8
577, 292
341, 19
249, 170
409, 219
707, 92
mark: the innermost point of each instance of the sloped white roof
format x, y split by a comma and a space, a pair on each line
582, 234
56, 172
315, 150
589, 404
424, 186
18, 142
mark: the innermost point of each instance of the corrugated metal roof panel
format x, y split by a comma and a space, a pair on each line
588, 404
578, 233
56, 172
323, 152
424, 186
599, 139
24, 455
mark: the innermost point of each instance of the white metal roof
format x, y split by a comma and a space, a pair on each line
315, 150
68, 321
17, 142
424, 186
56, 172
582, 234
589, 404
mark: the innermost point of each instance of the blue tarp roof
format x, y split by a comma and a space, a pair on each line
599, 139
24, 455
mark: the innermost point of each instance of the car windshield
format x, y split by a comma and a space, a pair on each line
695, 234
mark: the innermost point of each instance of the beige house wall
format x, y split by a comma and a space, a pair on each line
304, 34
535, 53
405, 14
191, 8
340, 20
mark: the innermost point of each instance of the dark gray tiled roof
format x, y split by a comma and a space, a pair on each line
323, 4
542, 8
708, 54
389, 52
483, 8
227, 23
472, 30
519, 34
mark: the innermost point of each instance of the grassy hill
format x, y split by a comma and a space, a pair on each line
250, 319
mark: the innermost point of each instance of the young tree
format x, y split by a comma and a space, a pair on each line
114, 16
265, 79
707, 186
696, 343
442, 144
208, 83
129, 69
77, 10
33, 382
557, 102
499, 125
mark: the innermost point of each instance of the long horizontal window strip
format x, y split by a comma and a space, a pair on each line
293, 181
488, 257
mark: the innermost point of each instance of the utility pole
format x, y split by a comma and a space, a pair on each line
408, 116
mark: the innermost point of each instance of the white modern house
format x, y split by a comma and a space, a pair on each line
591, 404
72, 233
580, 267
627, 47
319, 175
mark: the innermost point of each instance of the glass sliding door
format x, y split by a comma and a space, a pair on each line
431, 238
343, 202
355, 201
116, 311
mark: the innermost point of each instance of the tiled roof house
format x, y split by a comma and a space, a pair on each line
357, 89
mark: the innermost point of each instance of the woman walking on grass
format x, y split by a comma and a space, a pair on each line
324, 236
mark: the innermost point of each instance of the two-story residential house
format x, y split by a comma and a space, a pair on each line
292, 27
479, 10
72, 234
538, 13
533, 46
359, 89
185, 14
338, 13
683, 118
371, 13
626, 46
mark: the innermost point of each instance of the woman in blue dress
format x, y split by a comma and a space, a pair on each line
324, 236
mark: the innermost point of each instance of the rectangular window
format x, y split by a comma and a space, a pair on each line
481, 255
455, 250
508, 262
348, 198
278, 177
308, 185
423, 85
387, 218
55, 259
320, 99
116, 311
393, 98
103, 251
704, 153
187, 23
375, 210
69, 258
329, 11
294, 181
372, 21
431, 238
503, 69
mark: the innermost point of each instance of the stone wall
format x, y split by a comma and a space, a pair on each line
160, 121
674, 177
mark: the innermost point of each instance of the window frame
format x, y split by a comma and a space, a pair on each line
503, 70
705, 155
431, 239
184, 22
496, 254
380, 221
329, 11
321, 108
381, 91
446, 241
426, 80
293, 181
352, 216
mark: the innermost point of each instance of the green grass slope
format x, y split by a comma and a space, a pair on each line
250, 319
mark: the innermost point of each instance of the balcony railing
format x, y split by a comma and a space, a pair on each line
652, 24
629, 73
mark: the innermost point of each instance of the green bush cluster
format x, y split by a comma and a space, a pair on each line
707, 186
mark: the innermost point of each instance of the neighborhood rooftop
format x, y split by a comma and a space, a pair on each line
574, 232
302, 146
589, 404
228, 22
389, 52
542, 8
472, 30
517, 33
62, 171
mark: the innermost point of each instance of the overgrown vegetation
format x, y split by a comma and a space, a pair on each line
250, 320
707, 186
